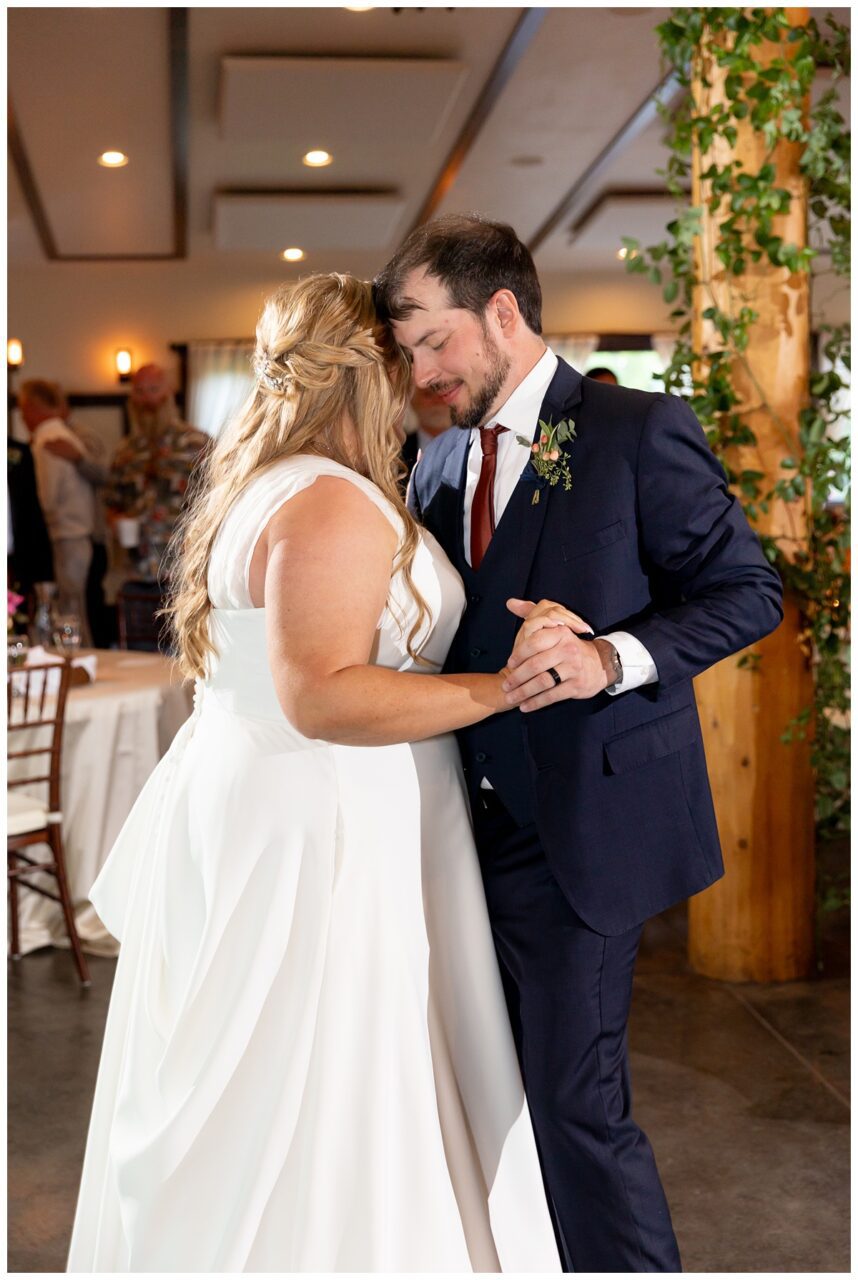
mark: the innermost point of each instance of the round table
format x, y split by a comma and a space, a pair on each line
117, 729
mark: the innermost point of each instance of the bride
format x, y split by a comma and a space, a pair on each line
307, 1064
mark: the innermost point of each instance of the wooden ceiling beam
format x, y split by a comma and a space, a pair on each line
21, 161
586, 188
519, 42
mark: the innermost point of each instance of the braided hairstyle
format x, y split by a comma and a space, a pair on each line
320, 355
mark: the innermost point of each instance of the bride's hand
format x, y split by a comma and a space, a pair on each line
499, 691
537, 617
550, 660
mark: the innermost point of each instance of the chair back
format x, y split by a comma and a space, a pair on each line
36, 699
139, 626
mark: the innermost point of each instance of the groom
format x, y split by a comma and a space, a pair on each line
591, 803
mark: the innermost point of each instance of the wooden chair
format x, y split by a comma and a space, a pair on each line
139, 628
32, 704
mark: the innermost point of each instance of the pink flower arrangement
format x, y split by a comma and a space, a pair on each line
13, 600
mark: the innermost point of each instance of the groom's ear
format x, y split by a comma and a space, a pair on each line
505, 306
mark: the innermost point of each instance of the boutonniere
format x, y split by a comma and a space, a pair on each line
550, 462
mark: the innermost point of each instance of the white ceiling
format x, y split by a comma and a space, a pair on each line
387, 92
80, 80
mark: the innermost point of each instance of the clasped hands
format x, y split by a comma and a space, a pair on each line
550, 638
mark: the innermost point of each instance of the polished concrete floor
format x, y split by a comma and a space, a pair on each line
743, 1090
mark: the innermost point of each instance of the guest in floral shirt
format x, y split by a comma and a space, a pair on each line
152, 468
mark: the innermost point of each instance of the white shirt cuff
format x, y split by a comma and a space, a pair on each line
638, 666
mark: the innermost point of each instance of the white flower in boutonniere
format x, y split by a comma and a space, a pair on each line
550, 462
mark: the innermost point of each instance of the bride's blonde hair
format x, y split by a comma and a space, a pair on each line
320, 354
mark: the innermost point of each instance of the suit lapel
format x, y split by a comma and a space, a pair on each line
513, 547
454, 477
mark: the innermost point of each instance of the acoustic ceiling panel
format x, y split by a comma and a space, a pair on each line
83, 81
336, 103
308, 220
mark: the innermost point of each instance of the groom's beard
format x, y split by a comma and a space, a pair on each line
480, 407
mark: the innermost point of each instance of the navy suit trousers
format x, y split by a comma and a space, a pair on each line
568, 989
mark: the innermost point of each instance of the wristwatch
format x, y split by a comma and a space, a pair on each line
611, 663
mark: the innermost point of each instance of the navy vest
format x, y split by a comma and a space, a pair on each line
495, 748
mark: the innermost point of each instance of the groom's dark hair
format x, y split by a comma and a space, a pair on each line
472, 258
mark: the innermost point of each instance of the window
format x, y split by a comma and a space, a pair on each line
636, 369
220, 378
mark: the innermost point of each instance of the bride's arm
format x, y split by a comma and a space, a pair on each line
329, 553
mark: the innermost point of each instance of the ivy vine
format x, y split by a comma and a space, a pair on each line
770, 95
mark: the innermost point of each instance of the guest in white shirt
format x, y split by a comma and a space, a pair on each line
87, 452
66, 497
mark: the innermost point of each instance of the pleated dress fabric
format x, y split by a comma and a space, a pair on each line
307, 1064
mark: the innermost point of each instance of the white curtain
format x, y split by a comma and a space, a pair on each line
664, 345
574, 348
220, 378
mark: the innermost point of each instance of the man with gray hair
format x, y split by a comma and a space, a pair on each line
66, 497
88, 454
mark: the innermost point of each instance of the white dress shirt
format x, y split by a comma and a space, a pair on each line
66, 498
519, 415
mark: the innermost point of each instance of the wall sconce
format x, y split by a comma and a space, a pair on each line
123, 364
14, 353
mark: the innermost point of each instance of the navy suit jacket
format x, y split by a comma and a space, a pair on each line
648, 540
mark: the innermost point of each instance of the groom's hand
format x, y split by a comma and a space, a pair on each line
549, 638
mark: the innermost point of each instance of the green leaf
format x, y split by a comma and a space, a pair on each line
768, 101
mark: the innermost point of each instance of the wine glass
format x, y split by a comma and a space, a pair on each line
17, 649
67, 633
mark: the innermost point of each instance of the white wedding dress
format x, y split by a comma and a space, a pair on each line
307, 1064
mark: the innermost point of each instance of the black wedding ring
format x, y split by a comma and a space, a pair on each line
554, 676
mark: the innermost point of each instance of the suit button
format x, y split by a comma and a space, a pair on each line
476, 599
480, 757
475, 653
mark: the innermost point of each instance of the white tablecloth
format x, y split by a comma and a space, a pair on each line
116, 731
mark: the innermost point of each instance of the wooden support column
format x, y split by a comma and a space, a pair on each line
757, 923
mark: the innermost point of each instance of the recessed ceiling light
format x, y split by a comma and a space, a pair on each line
359, 8
292, 255
318, 159
113, 159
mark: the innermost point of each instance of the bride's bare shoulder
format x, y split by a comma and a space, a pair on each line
330, 503
326, 527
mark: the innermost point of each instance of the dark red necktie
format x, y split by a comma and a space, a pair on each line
483, 510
